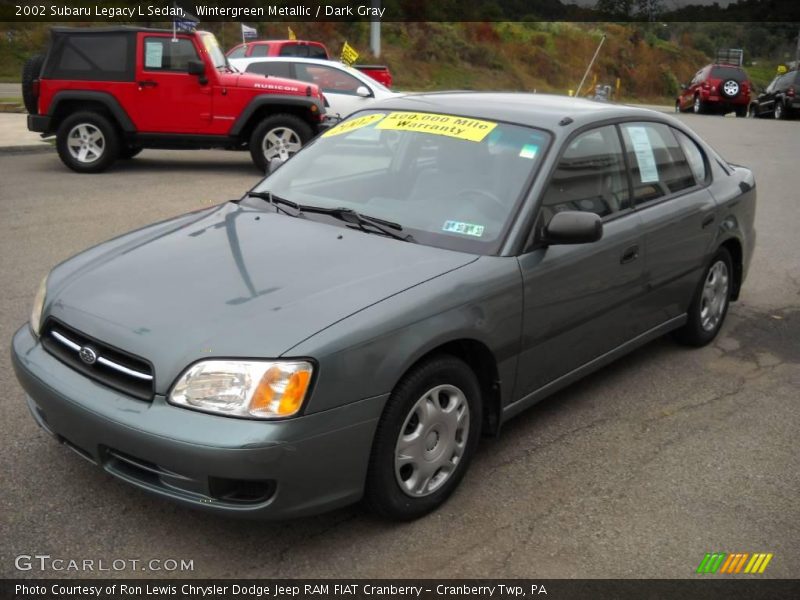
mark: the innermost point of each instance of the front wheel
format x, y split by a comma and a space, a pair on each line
87, 142
278, 136
424, 440
710, 304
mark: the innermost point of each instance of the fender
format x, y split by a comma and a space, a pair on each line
103, 98
273, 100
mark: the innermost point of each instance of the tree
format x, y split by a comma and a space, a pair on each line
650, 9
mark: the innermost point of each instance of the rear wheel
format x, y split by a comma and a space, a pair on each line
780, 112
730, 88
698, 106
741, 111
279, 136
424, 440
710, 305
87, 142
30, 72
753, 111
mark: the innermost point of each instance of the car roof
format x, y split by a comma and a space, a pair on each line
545, 111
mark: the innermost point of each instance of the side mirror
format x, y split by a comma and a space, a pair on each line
573, 227
363, 91
274, 165
195, 67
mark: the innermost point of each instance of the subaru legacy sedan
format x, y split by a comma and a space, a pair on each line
412, 279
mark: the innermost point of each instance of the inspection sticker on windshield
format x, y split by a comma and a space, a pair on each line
529, 151
463, 228
648, 171
462, 128
353, 124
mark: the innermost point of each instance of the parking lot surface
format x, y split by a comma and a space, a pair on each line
637, 471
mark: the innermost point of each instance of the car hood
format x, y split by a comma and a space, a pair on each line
237, 281
272, 84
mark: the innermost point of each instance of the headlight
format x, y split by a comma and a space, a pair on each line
38, 305
253, 389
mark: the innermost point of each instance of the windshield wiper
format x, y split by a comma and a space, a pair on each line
277, 202
362, 221
348, 215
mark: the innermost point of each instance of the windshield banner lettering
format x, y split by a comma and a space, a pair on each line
462, 128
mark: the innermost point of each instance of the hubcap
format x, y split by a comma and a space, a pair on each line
778, 111
280, 142
432, 441
697, 105
86, 143
715, 296
731, 88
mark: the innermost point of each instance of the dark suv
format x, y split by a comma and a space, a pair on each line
780, 99
106, 93
716, 88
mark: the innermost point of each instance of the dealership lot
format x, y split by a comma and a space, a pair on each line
636, 471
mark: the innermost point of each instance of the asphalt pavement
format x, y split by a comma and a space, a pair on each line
637, 471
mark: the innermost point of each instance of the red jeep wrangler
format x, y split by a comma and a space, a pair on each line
107, 93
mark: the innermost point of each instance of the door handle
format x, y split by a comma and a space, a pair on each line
707, 221
630, 255
147, 83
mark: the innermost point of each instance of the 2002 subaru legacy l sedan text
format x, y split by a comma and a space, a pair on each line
416, 276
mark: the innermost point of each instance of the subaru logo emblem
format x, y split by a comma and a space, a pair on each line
88, 355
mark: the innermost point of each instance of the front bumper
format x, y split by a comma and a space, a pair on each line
241, 467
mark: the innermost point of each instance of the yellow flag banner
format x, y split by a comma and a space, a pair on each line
292, 36
349, 54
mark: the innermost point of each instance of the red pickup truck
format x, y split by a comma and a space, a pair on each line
304, 49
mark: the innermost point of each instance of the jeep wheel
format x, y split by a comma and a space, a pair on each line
730, 88
425, 439
87, 142
278, 136
30, 72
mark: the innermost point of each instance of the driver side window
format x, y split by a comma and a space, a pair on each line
590, 176
162, 54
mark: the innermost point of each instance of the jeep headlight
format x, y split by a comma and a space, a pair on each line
244, 388
38, 306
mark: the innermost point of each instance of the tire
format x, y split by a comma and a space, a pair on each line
698, 106
30, 72
741, 112
438, 404
89, 134
128, 152
730, 88
780, 111
753, 111
710, 303
678, 106
289, 130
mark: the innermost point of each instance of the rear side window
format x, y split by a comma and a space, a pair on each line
294, 50
276, 69
658, 165
92, 56
317, 52
694, 156
728, 73
260, 50
162, 54
590, 176
237, 52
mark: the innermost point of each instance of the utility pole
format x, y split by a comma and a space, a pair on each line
375, 31
591, 64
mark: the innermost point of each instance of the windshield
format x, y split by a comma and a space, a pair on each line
449, 181
211, 45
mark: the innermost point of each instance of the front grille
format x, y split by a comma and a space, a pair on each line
108, 365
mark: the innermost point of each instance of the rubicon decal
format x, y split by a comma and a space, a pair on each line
736, 562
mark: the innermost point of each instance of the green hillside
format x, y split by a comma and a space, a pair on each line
649, 60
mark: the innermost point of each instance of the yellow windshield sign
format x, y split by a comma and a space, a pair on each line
462, 128
353, 124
